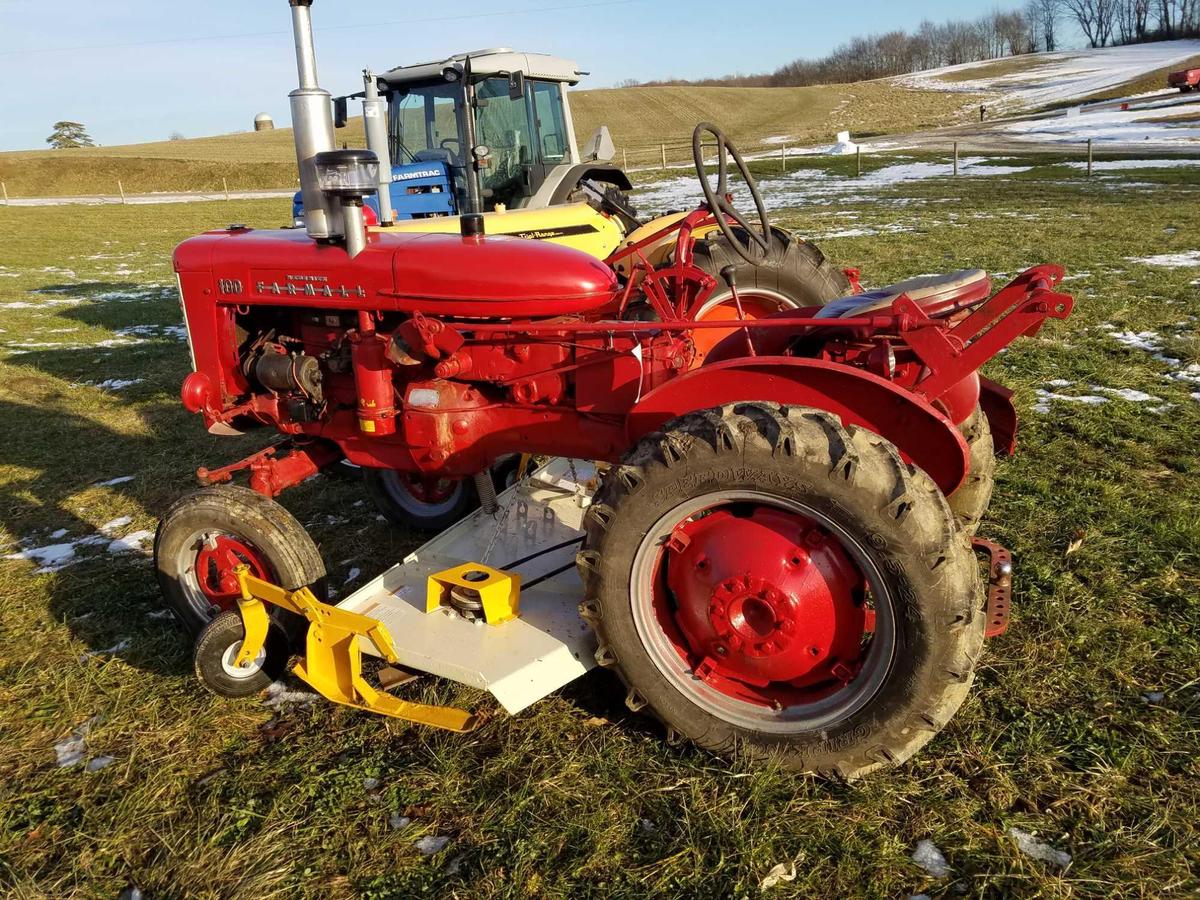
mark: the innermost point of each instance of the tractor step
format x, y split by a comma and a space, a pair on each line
999, 599
535, 533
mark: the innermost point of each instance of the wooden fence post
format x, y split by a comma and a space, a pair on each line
624, 159
1089, 169
121, 190
663, 148
956, 158
858, 160
783, 158
225, 183
4, 190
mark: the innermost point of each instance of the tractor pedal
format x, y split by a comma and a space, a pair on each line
1000, 572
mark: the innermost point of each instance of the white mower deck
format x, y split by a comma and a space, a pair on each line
520, 661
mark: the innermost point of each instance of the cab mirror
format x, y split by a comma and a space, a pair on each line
339, 112
516, 85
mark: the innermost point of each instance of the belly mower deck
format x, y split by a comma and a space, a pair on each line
535, 533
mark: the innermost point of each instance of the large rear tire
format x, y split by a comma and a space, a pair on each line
846, 654
970, 502
792, 274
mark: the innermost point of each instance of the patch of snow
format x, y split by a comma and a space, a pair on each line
1035, 849
1153, 697
117, 384
808, 187
115, 525
397, 822
96, 763
119, 647
354, 573
779, 873
279, 694
131, 543
72, 749
931, 859
1188, 259
1117, 165
1061, 76
1044, 397
431, 844
160, 614
120, 479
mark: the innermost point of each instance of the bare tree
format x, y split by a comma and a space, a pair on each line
1095, 18
1043, 17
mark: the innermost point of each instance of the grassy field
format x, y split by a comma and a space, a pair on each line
1082, 726
639, 118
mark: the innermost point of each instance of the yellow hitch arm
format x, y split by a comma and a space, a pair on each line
332, 665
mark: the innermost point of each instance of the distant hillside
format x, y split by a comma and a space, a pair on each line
642, 118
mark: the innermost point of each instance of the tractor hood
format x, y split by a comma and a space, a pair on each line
438, 274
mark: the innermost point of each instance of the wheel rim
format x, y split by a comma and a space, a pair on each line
229, 664
422, 496
720, 307
208, 561
763, 611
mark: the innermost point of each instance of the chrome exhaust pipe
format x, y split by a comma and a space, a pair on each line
375, 112
312, 128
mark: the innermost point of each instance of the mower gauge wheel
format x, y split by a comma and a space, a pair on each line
750, 235
217, 648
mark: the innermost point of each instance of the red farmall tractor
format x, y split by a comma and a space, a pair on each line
763, 547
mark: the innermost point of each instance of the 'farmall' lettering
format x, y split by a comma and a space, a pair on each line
308, 290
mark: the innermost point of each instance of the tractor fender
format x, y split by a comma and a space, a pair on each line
923, 435
997, 404
597, 171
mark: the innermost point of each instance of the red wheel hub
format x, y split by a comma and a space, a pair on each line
704, 339
216, 562
428, 489
767, 600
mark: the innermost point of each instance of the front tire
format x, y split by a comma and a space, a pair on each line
206, 535
846, 653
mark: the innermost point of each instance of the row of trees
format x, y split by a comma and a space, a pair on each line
931, 45
1034, 27
1134, 21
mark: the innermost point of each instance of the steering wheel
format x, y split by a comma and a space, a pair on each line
759, 236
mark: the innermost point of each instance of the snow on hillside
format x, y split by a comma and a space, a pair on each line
1109, 124
1047, 78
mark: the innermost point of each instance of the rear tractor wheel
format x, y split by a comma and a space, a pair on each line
768, 582
791, 274
970, 502
207, 535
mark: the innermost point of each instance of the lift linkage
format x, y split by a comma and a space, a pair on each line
332, 664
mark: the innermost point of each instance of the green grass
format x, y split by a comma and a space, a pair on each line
577, 797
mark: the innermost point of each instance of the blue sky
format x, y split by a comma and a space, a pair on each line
92, 62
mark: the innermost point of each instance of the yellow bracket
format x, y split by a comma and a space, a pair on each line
499, 591
332, 665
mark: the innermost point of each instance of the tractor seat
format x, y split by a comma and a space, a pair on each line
965, 285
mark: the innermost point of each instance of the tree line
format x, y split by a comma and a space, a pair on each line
1032, 28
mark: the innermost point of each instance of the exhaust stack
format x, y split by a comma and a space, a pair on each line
375, 122
312, 128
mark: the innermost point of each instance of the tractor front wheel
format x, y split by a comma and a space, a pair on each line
207, 535
766, 581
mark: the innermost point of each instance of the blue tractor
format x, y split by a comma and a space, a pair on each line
484, 131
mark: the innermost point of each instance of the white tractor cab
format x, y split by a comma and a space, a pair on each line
485, 131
